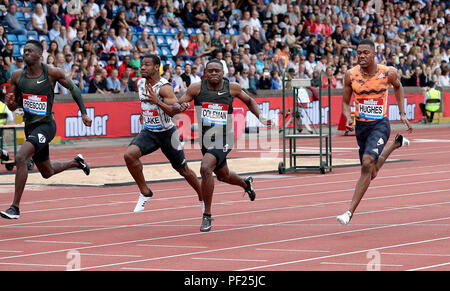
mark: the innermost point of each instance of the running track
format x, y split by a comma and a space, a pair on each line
402, 223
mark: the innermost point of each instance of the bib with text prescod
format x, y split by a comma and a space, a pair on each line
371, 109
152, 120
35, 104
214, 114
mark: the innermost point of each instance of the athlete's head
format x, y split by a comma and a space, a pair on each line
32, 52
214, 71
150, 65
366, 53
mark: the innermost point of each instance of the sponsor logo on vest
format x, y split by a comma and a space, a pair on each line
76, 128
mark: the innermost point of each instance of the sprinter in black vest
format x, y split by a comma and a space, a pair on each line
213, 99
32, 89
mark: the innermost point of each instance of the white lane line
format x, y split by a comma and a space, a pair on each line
108, 255
226, 259
148, 269
359, 264
412, 254
170, 246
35, 265
290, 250
59, 242
7, 251
430, 267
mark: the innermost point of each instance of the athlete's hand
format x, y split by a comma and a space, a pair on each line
184, 106
86, 120
10, 98
151, 96
349, 124
265, 121
405, 121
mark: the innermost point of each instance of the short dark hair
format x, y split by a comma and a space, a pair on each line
36, 43
156, 60
367, 42
217, 61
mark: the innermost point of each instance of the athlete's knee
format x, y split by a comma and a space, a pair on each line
130, 157
47, 174
205, 170
184, 171
367, 165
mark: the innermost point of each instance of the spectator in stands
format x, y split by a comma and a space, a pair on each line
13, 24
310, 65
179, 44
188, 17
417, 79
124, 46
112, 82
111, 64
7, 54
97, 84
54, 15
3, 37
254, 43
68, 61
329, 74
186, 76
39, 20
124, 83
199, 14
444, 78
146, 45
18, 64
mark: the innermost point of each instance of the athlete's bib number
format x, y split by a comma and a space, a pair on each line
214, 114
152, 120
371, 109
35, 104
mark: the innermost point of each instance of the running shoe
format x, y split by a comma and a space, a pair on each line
249, 190
4, 155
344, 219
402, 140
82, 164
206, 223
140, 205
11, 213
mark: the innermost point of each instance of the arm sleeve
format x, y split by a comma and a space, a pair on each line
76, 95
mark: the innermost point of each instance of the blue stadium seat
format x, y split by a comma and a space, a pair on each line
22, 39
169, 40
166, 52
20, 16
16, 52
161, 40
11, 37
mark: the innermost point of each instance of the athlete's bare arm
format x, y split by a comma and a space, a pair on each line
399, 95
171, 105
11, 99
237, 92
346, 98
57, 75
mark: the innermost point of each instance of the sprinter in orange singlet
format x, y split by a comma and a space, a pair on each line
369, 83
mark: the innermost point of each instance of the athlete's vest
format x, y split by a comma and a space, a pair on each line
155, 119
370, 93
36, 96
3, 114
214, 114
433, 102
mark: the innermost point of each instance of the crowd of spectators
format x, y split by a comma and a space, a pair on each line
100, 44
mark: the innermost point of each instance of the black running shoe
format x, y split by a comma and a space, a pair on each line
402, 140
206, 223
11, 213
4, 155
82, 164
249, 190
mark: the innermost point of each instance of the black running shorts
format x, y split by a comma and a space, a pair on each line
372, 137
220, 154
40, 134
168, 141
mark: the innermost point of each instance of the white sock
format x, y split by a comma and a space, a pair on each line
202, 204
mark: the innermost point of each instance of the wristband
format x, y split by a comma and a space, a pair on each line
400, 112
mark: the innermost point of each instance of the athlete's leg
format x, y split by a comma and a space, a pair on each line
192, 179
132, 159
367, 167
226, 175
207, 167
25, 153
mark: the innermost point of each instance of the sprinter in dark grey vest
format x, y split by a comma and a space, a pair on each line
32, 89
213, 99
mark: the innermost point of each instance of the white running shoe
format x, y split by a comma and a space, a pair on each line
404, 142
344, 219
140, 205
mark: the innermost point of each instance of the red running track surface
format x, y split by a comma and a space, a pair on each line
401, 224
